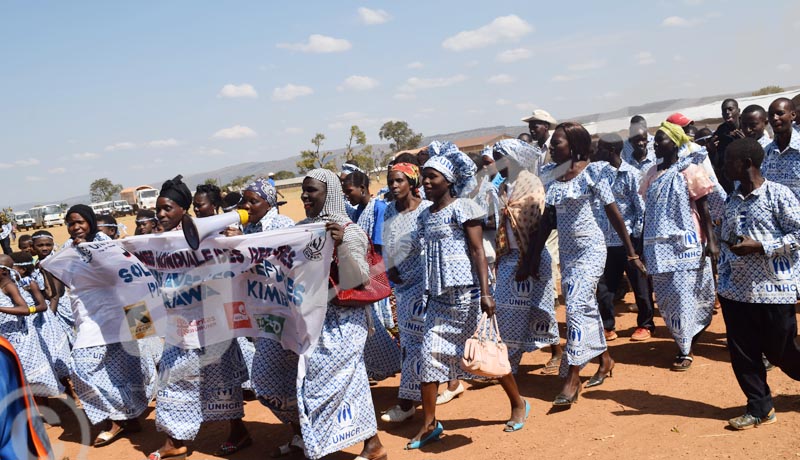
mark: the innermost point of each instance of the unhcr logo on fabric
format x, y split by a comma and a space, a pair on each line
345, 415
418, 310
523, 287
575, 334
690, 239
571, 287
781, 267
675, 322
541, 327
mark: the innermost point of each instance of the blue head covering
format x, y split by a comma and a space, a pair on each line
267, 192
519, 151
350, 168
456, 167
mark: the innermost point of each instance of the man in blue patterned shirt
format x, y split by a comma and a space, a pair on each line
638, 150
757, 284
625, 186
782, 160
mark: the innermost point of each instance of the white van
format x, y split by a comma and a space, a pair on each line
48, 215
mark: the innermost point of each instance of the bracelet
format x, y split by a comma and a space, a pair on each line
630, 258
488, 296
32, 310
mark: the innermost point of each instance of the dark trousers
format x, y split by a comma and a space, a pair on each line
616, 264
5, 243
754, 329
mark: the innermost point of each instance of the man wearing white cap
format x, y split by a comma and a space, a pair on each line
540, 122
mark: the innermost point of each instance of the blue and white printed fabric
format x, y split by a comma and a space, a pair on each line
199, 385
38, 369
334, 400
764, 140
451, 318
446, 250
686, 302
625, 186
525, 311
582, 252
650, 157
783, 166
274, 379
271, 221
248, 350
770, 215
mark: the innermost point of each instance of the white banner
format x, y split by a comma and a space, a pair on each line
271, 284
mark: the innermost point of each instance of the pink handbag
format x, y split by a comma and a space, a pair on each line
485, 354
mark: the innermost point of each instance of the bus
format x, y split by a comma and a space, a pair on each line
48, 215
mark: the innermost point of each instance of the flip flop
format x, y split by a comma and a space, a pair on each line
228, 448
157, 456
552, 365
295, 445
682, 363
108, 436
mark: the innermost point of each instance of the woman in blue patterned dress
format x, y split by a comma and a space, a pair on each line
457, 281
679, 239
570, 205
381, 353
196, 385
405, 266
525, 306
111, 380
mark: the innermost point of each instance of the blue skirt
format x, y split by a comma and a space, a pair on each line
275, 379
34, 358
411, 307
381, 352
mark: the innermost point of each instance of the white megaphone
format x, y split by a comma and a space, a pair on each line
196, 230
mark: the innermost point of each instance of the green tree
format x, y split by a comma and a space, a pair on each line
63, 206
313, 159
103, 190
771, 89
280, 175
402, 137
360, 139
238, 183
211, 181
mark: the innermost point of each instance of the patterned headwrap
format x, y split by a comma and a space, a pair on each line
487, 152
410, 170
267, 192
456, 167
349, 168
675, 133
333, 210
519, 151
177, 191
88, 215
435, 148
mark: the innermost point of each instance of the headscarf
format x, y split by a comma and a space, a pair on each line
333, 210
267, 192
488, 152
350, 168
456, 167
519, 151
675, 133
410, 170
177, 191
88, 215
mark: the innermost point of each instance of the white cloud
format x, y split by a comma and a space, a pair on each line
235, 132
57, 170
502, 102
563, 78
373, 17
245, 90
85, 156
517, 54
358, 83
588, 65
502, 29
500, 79
318, 44
292, 130
163, 143
527, 106
784, 67
290, 91
28, 162
645, 58
34, 178
415, 83
120, 146
404, 96
204, 151
415, 65
677, 21
6, 165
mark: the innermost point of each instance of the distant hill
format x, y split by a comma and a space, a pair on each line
614, 120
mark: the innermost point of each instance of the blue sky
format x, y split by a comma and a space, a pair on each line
140, 91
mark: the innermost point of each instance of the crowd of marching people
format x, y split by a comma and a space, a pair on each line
689, 215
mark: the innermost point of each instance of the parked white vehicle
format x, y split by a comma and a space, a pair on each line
104, 208
122, 208
24, 220
48, 215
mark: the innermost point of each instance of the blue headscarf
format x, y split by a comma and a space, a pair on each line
267, 192
519, 151
456, 167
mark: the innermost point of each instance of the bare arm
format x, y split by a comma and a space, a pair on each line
712, 248
530, 267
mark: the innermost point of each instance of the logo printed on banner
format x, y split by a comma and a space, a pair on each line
237, 315
781, 267
271, 324
690, 239
84, 253
345, 417
313, 250
140, 322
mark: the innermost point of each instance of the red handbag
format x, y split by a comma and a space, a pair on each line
377, 288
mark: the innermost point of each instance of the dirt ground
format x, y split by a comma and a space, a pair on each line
644, 411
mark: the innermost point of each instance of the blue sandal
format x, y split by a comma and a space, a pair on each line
511, 426
432, 436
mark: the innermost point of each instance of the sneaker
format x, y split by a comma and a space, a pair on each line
747, 421
610, 334
446, 396
396, 414
641, 334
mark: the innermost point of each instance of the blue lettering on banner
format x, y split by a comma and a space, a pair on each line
135, 271
293, 293
188, 296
